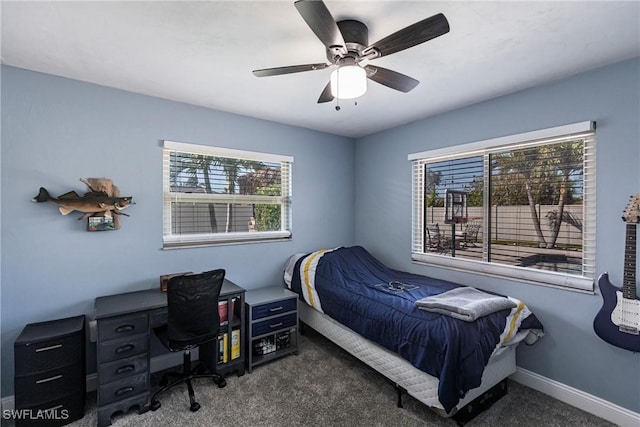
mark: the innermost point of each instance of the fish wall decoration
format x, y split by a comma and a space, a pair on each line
102, 199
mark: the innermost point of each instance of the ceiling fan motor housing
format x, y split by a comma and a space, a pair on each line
356, 38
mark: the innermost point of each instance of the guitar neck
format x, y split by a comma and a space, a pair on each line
629, 280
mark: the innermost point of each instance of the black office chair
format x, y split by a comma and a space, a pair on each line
192, 303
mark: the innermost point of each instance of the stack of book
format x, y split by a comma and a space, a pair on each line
223, 346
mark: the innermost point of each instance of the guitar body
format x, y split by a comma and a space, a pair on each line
618, 318
618, 321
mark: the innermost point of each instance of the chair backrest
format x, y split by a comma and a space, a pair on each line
433, 234
192, 305
472, 229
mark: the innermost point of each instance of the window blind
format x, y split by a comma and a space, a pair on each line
533, 199
217, 195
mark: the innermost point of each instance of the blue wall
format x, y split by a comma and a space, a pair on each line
56, 131
570, 352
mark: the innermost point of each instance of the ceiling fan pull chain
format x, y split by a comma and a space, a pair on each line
338, 93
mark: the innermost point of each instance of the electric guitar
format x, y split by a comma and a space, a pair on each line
618, 321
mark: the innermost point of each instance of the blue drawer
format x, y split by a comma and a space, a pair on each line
274, 324
273, 308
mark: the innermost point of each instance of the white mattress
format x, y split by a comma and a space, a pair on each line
417, 383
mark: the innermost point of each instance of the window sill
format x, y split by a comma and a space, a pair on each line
201, 240
522, 274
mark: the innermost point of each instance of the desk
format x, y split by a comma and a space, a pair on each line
123, 329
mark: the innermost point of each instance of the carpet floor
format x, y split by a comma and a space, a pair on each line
325, 386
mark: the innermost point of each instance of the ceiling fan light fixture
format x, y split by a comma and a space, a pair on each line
348, 81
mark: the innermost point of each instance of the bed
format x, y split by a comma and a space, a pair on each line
370, 310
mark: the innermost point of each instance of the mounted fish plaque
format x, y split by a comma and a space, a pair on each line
101, 205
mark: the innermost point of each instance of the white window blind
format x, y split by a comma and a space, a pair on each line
217, 195
529, 210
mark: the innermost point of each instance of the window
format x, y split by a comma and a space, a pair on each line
519, 207
218, 195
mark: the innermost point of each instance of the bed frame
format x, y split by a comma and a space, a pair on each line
409, 379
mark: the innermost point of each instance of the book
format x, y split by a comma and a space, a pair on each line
222, 312
235, 344
222, 348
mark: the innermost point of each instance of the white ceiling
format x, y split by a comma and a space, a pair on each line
202, 53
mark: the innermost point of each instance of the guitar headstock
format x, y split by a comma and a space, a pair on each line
632, 211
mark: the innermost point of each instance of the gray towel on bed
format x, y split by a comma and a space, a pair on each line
464, 303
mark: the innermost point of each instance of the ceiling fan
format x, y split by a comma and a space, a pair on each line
347, 45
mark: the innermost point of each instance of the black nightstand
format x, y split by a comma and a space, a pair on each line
272, 321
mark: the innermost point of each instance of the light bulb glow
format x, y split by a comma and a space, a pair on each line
348, 81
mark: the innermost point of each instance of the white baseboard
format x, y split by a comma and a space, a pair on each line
577, 398
92, 382
8, 403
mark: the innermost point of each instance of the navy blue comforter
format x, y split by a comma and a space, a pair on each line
354, 288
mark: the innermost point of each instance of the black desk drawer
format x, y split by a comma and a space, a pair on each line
123, 368
59, 412
274, 324
122, 348
273, 309
33, 390
35, 357
122, 389
122, 326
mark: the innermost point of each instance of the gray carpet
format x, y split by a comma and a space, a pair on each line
325, 386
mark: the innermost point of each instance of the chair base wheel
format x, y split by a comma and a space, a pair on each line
194, 406
221, 383
155, 405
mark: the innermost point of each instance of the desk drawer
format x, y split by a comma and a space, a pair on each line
274, 324
63, 410
122, 348
122, 389
32, 390
122, 326
273, 309
35, 357
123, 368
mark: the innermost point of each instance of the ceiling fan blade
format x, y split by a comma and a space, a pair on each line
288, 70
326, 95
410, 36
319, 19
390, 78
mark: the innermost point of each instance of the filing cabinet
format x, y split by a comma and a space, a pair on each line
50, 372
123, 365
272, 321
